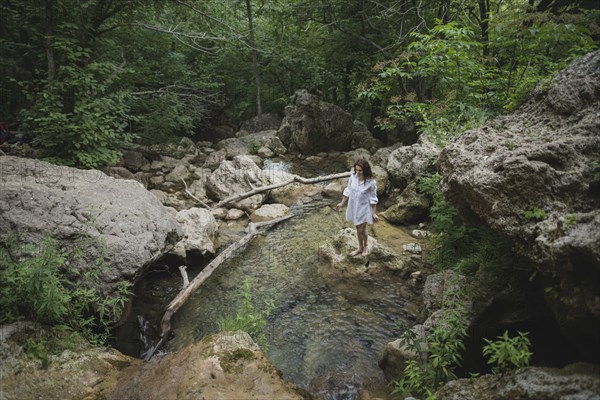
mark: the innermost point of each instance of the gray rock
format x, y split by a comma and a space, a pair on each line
134, 160
407, 163
236, 177
409, 207
269, 212
118, 172
333, 190
228, 365
532, 176
363, 138
340, 264
179, 172
265, 152
199, 230
311, 125
128, 226
579, 381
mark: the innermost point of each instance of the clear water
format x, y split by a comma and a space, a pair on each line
321, 325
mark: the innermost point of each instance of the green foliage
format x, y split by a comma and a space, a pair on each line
535, 214
456, 245
528, 47
48, 286
253, 146
248, 317
441, 76
34, 288
76, 118
508, 353
438, 355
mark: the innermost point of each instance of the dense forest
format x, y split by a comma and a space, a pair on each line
82, 77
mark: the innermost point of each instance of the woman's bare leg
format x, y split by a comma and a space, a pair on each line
360, 232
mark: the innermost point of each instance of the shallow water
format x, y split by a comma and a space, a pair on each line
323, 332
319, 325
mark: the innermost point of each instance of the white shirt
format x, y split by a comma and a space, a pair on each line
361, 195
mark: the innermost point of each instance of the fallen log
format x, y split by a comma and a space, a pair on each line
186, 292
296, 178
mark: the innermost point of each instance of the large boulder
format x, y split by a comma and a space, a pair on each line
312, 126
405, 164
199, 230
533, 177
228, 365
111, 220
236, 177
410, 207
83, 372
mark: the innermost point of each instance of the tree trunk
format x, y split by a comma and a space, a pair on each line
48, 33
278, 185
445, 11
255, 70
484, 23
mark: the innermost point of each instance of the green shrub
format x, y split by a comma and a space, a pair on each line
508, 353
52, 287
248, 318
535, 214
438, 356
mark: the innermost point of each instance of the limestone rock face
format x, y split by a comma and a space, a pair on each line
115, 220
312, 126
225, 366
409, 207
533, 177
576, 381
89, 373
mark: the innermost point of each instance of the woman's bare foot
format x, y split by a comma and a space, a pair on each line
365, 252
356, 252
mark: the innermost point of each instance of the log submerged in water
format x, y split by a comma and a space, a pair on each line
184, 294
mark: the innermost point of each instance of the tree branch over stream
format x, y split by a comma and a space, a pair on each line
296, 178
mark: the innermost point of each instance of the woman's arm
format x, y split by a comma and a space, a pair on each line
373, 200
341, 203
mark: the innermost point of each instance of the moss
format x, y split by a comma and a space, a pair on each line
230, 361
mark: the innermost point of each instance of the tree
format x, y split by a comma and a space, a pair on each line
255, 71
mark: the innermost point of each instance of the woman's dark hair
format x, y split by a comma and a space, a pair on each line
366, 167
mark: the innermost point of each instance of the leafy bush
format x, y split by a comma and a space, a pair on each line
457, 245
78, 118
508, 353
248, 318
45, 285
438, 356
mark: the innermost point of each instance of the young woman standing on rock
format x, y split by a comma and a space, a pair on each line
361, 195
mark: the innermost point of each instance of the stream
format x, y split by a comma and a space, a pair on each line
318, 327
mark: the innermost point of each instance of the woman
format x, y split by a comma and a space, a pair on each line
361, 194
